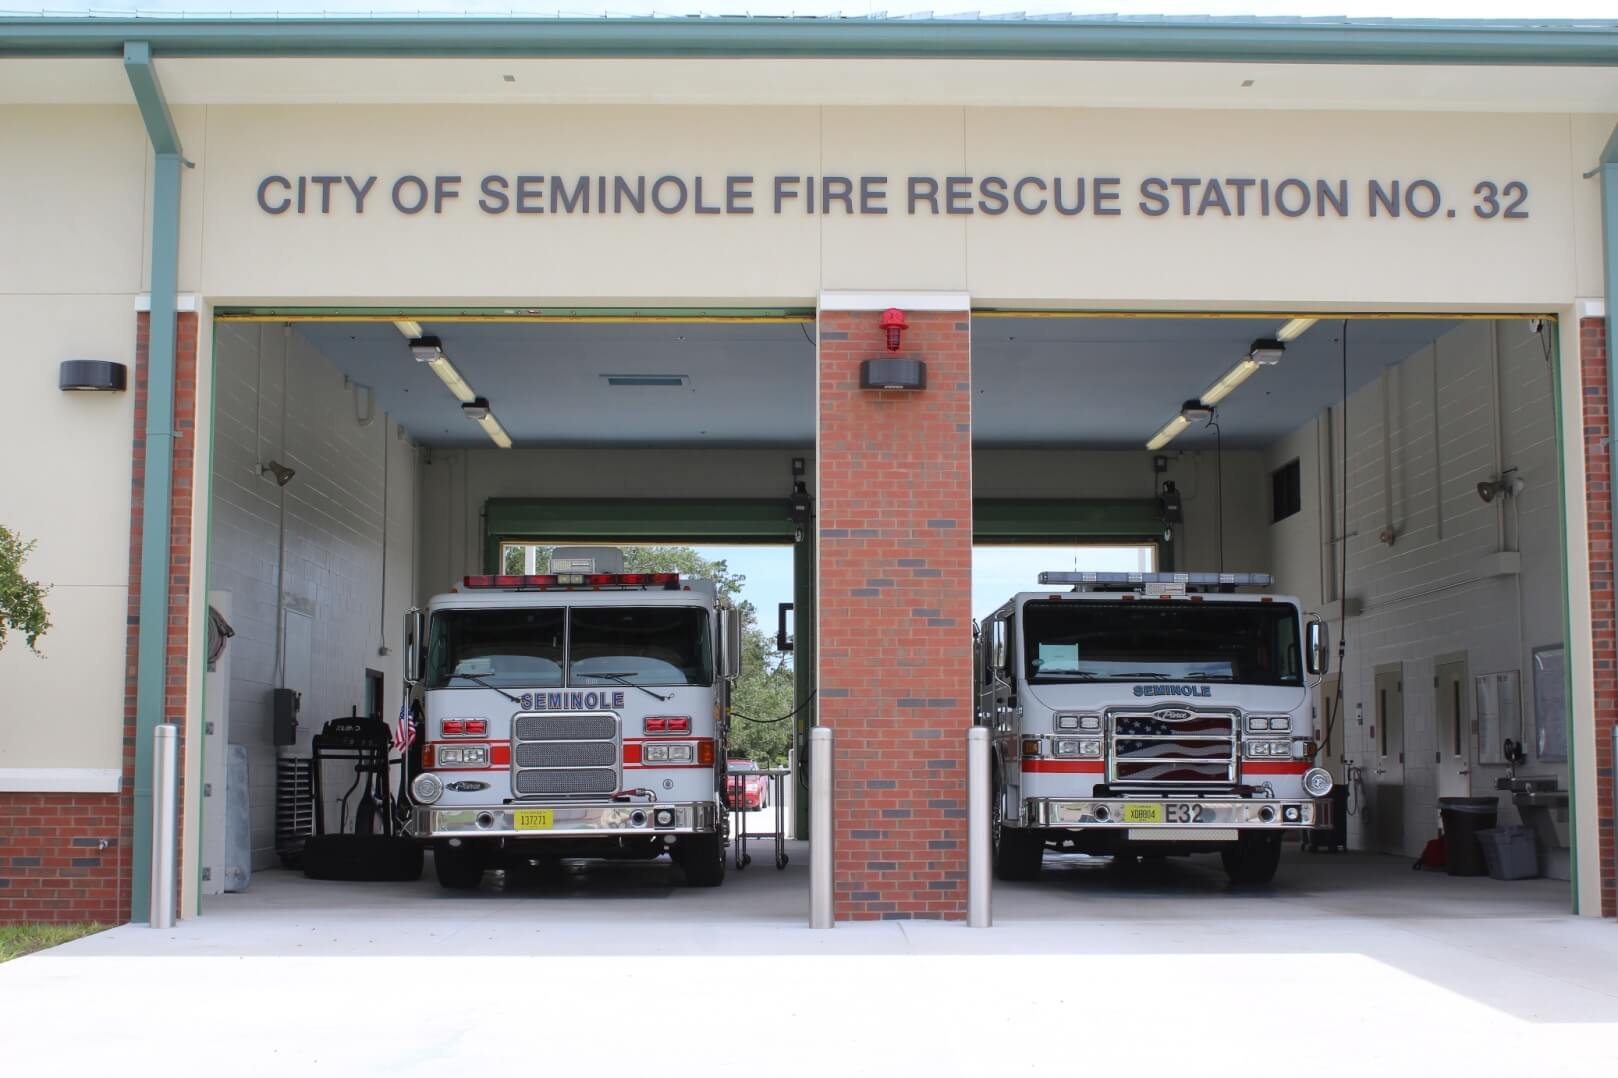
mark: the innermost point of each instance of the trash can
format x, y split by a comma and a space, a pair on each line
1462, 819
1510, 852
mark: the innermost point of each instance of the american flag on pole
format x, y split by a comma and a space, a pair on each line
404, 734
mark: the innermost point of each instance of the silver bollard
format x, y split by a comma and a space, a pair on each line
979, 911
165, 830
821, 788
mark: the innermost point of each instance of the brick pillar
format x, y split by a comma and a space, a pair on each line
1604, 633
894, 556
66, 856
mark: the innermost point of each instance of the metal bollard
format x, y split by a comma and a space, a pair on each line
165, 831
820, 828
979, 909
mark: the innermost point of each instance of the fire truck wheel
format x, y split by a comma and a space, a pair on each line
1254, 860
702, 858
457, 868
1018, 854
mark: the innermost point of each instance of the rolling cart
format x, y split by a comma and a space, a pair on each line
777, 777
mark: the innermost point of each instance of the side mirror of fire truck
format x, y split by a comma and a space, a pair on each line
415, 628
730, 631
1319, 648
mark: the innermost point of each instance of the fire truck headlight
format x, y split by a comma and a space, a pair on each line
1066, 746
655, 754
1281, 722
1089, 722
682, 754
1090, 747
1317, 782
1067, 722
426, 789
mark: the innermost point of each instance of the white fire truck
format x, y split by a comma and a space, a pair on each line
581, 712
1151, 713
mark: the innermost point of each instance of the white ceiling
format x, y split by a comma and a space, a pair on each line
857, 82
1072, 382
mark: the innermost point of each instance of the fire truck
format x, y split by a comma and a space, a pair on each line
1145, 714
581, 712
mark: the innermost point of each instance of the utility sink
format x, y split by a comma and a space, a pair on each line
1543, 807
1527, 784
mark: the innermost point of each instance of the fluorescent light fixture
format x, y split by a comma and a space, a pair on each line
1234, 377
497, 434
1266, 352
1170, 431
475, 409
656, 380
411, 330
1295, 329
452, 379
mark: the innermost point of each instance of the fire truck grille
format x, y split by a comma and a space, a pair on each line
1171, 746
566, 728
594, 780
567, 754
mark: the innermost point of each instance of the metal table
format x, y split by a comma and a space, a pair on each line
777, 777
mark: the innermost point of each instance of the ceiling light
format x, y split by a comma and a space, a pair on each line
497, 434
1196, 412
411, 330
451, 378
655, 380
426, 348
1266, 352
475, 409
1170, 431
1234, 377
1295, 329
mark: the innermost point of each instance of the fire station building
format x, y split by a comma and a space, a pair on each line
957, 278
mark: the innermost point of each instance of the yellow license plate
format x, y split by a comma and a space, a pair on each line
1143, 813
534, 819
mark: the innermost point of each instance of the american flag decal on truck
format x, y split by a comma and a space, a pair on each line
1174, 745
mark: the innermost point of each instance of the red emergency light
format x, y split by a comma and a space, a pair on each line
568, 581
465, 727
668, 724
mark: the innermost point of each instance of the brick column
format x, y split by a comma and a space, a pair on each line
1604, 633
66, 856
894, 557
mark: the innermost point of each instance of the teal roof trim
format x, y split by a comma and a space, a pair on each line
1237, 40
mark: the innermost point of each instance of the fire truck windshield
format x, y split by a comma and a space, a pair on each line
1109, 640
550, 647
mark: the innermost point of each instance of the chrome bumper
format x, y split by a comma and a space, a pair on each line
1191, 813
570, 820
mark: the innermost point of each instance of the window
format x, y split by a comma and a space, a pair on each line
1286, 491
509, 648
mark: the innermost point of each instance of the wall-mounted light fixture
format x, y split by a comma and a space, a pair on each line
893, 374
92, 376
1509, 485
279, 472
894, 325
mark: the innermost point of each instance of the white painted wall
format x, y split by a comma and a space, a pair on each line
1427, 595
279, 399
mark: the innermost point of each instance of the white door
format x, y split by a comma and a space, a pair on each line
1388, 759
1452, 713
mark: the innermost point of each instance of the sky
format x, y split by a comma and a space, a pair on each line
1604, 10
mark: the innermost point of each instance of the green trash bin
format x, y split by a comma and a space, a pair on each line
1462, 819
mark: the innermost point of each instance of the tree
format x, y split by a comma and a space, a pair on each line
22, 601
763, 695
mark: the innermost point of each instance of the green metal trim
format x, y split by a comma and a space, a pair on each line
1040, 520
1334, 41
804, 669
430, 314
1560, 426
152, 633
669, 520
1608, 174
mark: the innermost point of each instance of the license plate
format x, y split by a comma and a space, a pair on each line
1143, 813
533, 819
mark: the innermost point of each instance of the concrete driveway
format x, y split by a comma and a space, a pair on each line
1351, 965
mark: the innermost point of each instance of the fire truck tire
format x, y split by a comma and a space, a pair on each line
457, 868
702, 858
1254, 860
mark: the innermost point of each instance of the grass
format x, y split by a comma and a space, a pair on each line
18, 940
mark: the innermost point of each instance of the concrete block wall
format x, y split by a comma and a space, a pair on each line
277, 398
1420, 439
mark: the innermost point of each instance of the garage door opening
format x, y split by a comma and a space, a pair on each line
363, 466
1435, 554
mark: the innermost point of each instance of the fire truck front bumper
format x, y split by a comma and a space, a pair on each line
566, 820
1179, 814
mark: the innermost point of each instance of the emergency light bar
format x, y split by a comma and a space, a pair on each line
668, 581
1250, 580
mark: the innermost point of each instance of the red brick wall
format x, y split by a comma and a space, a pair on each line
895, 620
65, 857
1598, 507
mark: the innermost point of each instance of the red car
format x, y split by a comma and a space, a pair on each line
744, 790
